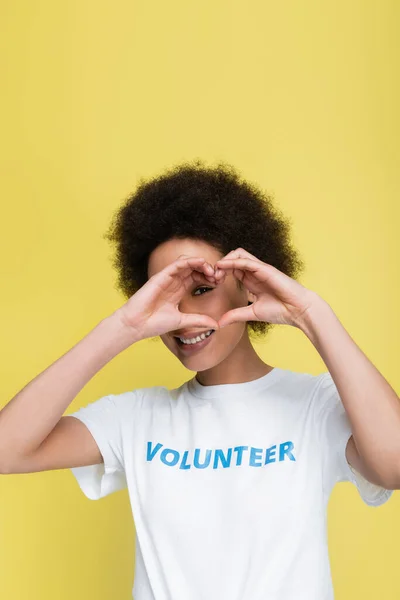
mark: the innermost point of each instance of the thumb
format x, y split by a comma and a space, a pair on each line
244, 313
194, 320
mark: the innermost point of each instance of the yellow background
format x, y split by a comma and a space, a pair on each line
302, 97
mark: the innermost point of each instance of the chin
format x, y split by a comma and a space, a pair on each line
203, 360
200, 363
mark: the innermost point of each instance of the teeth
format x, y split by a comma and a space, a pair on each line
200, 337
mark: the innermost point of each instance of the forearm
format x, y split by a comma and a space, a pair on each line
27, 419
370, 402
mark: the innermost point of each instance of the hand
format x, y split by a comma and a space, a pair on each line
153, 309
277, 297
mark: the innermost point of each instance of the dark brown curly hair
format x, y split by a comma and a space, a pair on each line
213, 204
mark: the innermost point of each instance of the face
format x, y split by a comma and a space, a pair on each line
209, 299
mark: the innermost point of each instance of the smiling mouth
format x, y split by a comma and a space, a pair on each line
194, 345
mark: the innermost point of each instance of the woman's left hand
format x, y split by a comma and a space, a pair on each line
277, 297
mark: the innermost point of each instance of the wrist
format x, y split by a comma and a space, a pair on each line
318, 312
125, 333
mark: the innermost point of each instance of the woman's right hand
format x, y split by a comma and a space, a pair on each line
154, 308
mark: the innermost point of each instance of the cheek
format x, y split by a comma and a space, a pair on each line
226, 339
224, 300
167, 341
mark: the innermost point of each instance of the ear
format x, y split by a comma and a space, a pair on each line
250, 298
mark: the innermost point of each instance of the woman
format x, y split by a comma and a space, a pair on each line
229, 475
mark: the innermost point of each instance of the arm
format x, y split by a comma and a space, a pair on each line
28, 419
34, 415
371, 404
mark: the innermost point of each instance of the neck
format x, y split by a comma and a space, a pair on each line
241, 365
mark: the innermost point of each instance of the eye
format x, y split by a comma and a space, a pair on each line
203, 287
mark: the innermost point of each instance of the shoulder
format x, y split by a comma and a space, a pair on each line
309, 383
143, 398
301, 385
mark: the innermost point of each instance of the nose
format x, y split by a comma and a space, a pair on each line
192, 304
186, 306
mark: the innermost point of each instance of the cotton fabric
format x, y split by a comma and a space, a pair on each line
228, 484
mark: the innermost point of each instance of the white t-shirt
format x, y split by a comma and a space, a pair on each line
228, 484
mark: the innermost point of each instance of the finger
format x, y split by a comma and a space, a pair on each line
229, 264
185, 265
244, 313
195, 320
240, 253
197, 277
178, 276
219, 275
205, 268
238, 273
277, 281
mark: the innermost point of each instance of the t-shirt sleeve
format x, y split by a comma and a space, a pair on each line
334, 432
103, 419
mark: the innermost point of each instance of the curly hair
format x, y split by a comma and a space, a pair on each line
212, 204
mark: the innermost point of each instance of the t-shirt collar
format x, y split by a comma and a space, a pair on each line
225, 390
